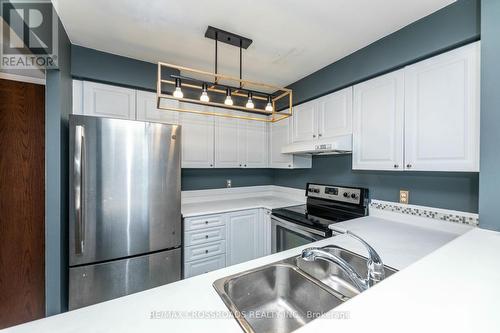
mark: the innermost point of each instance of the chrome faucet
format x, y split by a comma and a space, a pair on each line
376, 272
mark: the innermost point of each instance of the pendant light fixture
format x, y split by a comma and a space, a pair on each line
228, 100
178, 91
250, 104
269, 105
204, 94
253, 100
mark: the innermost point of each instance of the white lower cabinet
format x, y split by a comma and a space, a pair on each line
216, 241
243, 232
266, 225
204, 265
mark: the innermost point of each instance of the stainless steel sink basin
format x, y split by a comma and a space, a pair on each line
333, 276
283, 296
275, 298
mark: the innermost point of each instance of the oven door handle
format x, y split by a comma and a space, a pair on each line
297, 227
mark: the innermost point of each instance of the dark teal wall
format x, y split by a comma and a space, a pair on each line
105, 67
490, 114
202, 179
450, 27
58, 104
450, 190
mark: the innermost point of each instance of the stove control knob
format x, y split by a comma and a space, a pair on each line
354, 196
346, 194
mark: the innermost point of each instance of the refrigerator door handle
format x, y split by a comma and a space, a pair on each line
79, 188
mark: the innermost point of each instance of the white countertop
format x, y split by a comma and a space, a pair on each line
225, 205
435, 291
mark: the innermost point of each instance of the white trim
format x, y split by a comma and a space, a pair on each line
22, 78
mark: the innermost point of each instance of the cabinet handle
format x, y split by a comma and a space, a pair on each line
320, 135
211, 165
289, 165
408, 166
206, 236
314, 135
396, 166
245, 165
206, 251
240, 165
206, 222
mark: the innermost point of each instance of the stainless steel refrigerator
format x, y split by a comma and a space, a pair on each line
125, 207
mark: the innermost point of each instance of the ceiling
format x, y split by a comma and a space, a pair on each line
291, 38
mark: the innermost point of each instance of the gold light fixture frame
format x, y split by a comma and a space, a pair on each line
271, 117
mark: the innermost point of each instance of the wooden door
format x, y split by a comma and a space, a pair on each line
22, 202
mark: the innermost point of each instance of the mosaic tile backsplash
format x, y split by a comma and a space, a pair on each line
427, 212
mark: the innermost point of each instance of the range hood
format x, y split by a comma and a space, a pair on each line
341, 144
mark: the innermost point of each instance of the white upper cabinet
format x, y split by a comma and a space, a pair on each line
378, 117
252, 141
108, 101
424, 117
77, 97
335, 114
305, 124
227, 153
279, 136
240, 143
147, 110
197, 139
442, 112
324, 117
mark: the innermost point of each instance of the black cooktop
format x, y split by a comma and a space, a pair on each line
326, 205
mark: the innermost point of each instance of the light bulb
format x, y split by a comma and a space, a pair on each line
250, 104
204, 95
229, 100
269, 106
178, 91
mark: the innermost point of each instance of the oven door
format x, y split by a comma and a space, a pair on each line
286, 235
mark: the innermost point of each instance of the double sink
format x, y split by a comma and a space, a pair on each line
285, 295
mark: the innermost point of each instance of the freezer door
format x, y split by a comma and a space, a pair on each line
124, 188
101, 282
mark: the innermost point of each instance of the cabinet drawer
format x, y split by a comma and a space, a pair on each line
203, 236
201, 222
202, 266
204, 250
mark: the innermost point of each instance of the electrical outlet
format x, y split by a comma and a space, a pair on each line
228, 183
404, 196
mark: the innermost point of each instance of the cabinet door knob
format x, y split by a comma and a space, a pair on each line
320, 135
206, 222
289, 165
206, 251
314, 135
245, 165
396, 166
240, 164
211, 165
408, 166
206, 236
